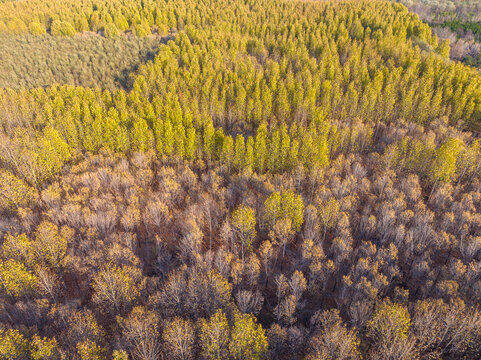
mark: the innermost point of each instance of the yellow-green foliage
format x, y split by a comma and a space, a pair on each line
389, 322
214, 336
248, 338
244, 223
43, 348
15, 279
111, 30
50, 244
89, 350
13, 345
62, 28
444, 164
288, 86
14, 192
36, 29
18, 248
120, 355
285, 205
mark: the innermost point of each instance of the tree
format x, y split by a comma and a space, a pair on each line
444, 48
62, 28
249, 302
36, 28
243, 220
111, 30
214, 336
211, 212
142, 29
281, 233
83, 328
286, 205
47, 282
328, 211
260, 148
191, 144
443, 166
285, 310
140, 331
239, 153
16, 280
248, 339
389, 328
51, 244
13, 345
249, 153
265, 253
44, 348
332, 339
141, 136
89, 350
178, 339
119, 355
14, 192
115, 288
17, 26
18, 248
297, 284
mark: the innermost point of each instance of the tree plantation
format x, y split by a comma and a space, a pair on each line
92, 61
236, 179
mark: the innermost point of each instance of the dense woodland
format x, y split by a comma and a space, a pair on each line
283, 180
93, 61
456, 20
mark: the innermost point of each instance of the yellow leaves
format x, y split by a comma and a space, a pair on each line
389, 322
214, 336
16, 280
16, 26
220, 286
13, 345
14, 192
18, 248
36, 28
89, 350
179, 338
43, 348
244, 222
51, 243
119, 355
49, 246
248, 339
285, 205
62, 28
444, 163
245, 339
53, 152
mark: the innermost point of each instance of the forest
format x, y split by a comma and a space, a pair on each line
456, 20
238, 180
30, 61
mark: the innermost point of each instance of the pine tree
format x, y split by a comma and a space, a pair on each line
239, 153
249, 153
141, 136
190, 144
260, 152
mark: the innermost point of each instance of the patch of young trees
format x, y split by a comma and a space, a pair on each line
91, 61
